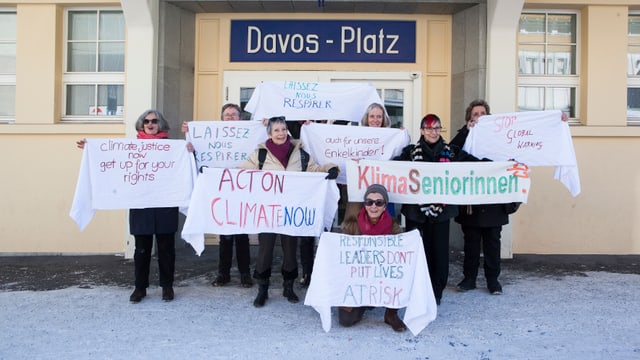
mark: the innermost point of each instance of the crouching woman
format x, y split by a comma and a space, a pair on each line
372, 219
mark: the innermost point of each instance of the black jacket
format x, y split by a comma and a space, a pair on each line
438, 152
153, 221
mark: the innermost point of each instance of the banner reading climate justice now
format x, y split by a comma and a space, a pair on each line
337, 144
132, 174
241, 201
457, 183
224, 143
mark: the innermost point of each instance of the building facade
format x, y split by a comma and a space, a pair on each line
75, 69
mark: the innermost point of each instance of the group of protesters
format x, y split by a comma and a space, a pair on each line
481, 224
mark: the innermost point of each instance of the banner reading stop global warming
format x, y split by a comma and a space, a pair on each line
364, 270
241, 201
336, 144
301, 100
536, 138
458, 183
224, 143
132, 174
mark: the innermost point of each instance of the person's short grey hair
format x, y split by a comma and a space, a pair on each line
276, 120
163, 125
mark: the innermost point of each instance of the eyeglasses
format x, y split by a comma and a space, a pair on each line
152, 121
430, 129
371, 202
277, 118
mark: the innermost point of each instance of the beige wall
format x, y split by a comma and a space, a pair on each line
603, 219
40, 162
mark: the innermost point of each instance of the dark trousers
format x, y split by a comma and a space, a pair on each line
226, 253
489, 238
166, 259
435, 238
307, 253
264, 260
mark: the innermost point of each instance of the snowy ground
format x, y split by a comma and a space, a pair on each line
590, 315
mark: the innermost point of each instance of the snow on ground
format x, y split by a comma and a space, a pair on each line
589, 316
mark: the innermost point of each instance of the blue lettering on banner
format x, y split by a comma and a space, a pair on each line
323, 41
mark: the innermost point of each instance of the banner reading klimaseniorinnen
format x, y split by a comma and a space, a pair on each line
457, 183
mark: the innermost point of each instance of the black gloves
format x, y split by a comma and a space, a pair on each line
431, 210
332, 174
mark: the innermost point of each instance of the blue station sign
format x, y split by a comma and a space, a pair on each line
323, 41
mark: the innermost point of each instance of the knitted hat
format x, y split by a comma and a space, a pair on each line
378, 189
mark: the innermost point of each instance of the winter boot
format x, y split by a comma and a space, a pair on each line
263, 293
288, 292
391, 318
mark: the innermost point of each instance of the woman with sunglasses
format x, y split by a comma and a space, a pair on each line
432, 220
372, 219
145, 223
284, 154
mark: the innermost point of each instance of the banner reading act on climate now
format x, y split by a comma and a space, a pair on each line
337, 144
241, 201
457, 183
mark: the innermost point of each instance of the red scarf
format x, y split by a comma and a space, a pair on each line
159, 135
281, 152
382, 227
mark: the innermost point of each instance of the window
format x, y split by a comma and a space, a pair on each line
633, 71
547, 62
7, 65
94, 65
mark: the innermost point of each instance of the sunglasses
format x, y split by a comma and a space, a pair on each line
371, 202
152, 121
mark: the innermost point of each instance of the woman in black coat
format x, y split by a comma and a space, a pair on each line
432, 220
481, 224
145, 223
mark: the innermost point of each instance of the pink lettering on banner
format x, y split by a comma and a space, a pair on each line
134, 160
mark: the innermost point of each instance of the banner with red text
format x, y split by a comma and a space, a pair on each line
224, 143
364, 270
241, 201
132, 174
303, 100
337, 143
458, 183
536, 138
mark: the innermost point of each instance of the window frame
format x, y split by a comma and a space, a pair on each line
8, 79
546, 81
633, 81
89, 78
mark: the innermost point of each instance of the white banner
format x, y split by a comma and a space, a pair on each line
337, 144
456, 183
386, 270
301, 100
132, 174
536, 138
224, 143
240, 201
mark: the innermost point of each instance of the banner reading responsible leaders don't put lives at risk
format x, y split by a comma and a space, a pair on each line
241, 201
